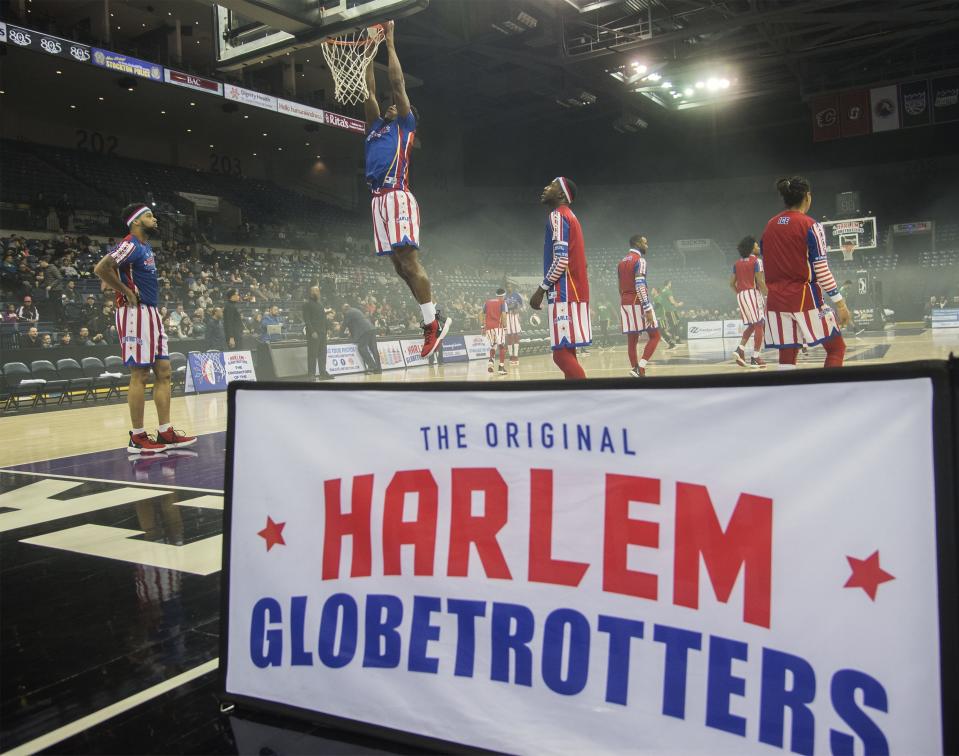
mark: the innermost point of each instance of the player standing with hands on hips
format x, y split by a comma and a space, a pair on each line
396, 215
564, 279
793, 251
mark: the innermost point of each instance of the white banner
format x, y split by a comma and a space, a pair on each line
239, 366
945, 318
477, 346
391, 354
3, 32
411, 352
342, 359
733, 329
535, 582
299, 111
249, 97
704, 329
885, 108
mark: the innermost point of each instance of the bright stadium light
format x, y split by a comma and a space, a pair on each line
654, 77
700, 84
667, 85
688, 91
724, 83
712, 84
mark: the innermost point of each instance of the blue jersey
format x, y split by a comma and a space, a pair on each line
138, 269
388, 148
514, 302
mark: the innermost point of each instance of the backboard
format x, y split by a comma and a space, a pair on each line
247, 31
860, 231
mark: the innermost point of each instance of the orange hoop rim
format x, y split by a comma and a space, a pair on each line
355, 42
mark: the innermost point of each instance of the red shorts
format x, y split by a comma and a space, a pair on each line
142, 338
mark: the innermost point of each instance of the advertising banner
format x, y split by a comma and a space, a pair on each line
825, 118
205, 372
343, 122
46, 43
528, 581
854, 112
239, 366
411, 352
127, 64
477, 346
299, 111
914, 105
704, 329
191, 81
885, 108
945, 99
249, 97
454, 349
948, 318
342, 359
3, 32
391, 354
733, 329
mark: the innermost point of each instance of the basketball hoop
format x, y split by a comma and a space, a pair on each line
347, 56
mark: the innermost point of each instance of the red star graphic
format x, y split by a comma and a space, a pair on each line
867, 574
273, 533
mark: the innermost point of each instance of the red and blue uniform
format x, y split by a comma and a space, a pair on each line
565, 280
752, 307
143, 339
636, 309
793, 249
396, 214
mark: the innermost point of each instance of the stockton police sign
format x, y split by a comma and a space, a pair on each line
527, 571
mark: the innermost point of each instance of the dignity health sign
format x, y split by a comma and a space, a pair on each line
592, 571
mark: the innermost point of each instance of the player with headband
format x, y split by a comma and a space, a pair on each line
565, 279
130, 270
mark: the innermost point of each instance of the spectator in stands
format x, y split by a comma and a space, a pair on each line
46, 341
69, 295
27, 313
68, 270
199, 323
184, 328
215, 338
177, 315
104, 324
362, 333
65, 339
88, 312
31, 339
84, 338
52, 278
10, 314
232, 321
271, 318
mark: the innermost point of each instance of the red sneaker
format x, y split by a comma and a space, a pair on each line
174, 439
433, 334
141, 443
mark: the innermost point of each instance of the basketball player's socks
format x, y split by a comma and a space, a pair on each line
165, 427
429, 312
758, 339
650, 347
787, 358
502, 355
138, 431
632, 339
835, 351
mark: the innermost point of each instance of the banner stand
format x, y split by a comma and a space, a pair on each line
828, 589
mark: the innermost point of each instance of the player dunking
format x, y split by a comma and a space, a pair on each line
396, 216
749, 284
514, 325
494, 316
794, 257
636, 308
565, 278
131, 271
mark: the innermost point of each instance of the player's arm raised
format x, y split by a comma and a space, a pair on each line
397, 80
371, 106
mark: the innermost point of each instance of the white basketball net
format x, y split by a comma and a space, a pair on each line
347, 56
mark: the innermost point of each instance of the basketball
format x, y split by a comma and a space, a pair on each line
535, 320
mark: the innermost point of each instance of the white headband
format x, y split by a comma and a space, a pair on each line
565, 188
143, 209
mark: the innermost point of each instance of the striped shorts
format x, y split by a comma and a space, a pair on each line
496, 337
635, 320
514, 324
396, 221
569, 324
142, 338
752, 307
793, 329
